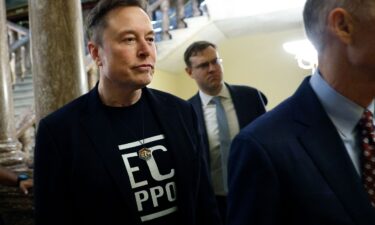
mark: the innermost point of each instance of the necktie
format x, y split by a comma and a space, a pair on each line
224, 137
367, 141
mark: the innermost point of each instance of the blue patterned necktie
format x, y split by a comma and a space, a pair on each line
224, 137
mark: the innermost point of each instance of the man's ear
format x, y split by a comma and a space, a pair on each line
94, 52
341, 24
188, 71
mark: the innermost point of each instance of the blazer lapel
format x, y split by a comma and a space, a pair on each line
324, 145
97, 126
197, 105
242, 106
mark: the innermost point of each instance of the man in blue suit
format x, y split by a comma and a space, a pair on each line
302, 162
122, 153
241, 105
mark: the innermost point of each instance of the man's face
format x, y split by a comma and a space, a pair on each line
362, 52
206, 69
127, 55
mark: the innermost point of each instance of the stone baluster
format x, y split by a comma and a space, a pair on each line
11, 155
180, 14
164, 6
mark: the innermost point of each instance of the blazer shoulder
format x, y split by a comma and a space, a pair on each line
242, 87
69, 110
194, 99
244, 90
290, 118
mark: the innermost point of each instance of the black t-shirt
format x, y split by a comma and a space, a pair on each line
147, 161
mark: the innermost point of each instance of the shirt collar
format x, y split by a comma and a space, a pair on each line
206, 99
343, 112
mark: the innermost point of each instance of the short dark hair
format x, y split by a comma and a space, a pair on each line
194, 49
96, 21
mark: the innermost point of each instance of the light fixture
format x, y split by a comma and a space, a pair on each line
304, 52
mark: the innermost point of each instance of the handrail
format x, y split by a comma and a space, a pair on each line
17, 28
19, 43
172, 19
19, 51
154, 6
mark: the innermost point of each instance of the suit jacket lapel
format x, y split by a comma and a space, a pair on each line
98, 128
324, 145
242, 106
197, 105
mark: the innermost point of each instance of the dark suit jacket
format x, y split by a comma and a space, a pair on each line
78, 180
291, 167
247, 103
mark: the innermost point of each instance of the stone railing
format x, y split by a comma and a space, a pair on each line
20, 66
168, 15
19, 48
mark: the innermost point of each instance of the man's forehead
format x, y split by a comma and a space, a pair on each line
204, 55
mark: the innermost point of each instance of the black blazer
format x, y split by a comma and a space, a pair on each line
290, 167
79, 181
248, 102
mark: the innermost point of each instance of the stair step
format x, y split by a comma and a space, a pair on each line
23, 95
25, 80
23, 85
23, 102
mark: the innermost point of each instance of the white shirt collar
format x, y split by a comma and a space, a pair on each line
343, 112
206, 99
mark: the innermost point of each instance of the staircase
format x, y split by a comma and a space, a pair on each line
23, 96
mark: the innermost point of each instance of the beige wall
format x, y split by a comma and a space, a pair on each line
261, 61
178, 84
165, 81
256, 60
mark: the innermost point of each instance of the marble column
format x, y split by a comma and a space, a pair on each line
57, 53
10, 148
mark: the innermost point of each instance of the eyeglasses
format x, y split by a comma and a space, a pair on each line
205, 65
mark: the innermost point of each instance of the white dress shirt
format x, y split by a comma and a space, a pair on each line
212, 129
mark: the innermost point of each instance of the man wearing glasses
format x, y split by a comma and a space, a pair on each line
222, 110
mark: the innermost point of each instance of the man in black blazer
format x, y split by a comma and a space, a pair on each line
123, 153
242, 104
303, 162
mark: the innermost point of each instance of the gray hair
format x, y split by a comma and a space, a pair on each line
316, 12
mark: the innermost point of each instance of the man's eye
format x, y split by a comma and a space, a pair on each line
151, 39
129, 40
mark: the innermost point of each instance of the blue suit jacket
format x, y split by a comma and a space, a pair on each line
247, 103
291, 167
79, 180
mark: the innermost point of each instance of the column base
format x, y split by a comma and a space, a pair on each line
11, 155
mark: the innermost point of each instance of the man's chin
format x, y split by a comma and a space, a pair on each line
144, 82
